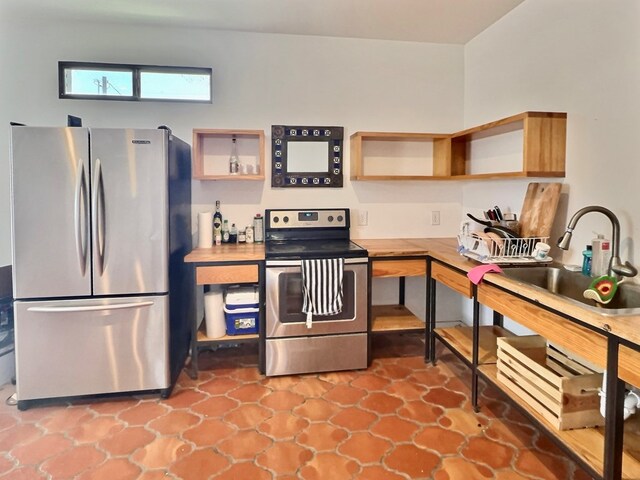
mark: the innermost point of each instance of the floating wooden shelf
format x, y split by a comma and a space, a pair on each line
543, 150
394, 318
460, 339
212, 148
586, 443
394, 148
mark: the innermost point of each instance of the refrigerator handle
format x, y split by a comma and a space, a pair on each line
99, 214
89, 308
80, 217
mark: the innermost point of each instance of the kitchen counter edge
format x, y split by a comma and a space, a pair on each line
445, 251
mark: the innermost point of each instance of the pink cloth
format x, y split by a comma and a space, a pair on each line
476, 273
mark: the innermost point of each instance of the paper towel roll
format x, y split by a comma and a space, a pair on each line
205, 230
214, 314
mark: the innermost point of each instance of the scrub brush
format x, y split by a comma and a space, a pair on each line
602, 289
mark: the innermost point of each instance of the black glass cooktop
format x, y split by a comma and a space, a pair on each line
293, 249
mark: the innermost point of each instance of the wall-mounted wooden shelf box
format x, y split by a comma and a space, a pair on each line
396, 156
212, 149
537, 141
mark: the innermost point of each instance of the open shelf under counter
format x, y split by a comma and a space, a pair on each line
394, 318
204, 340
460, 340
586, 443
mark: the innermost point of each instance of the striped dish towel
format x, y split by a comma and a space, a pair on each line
322, 286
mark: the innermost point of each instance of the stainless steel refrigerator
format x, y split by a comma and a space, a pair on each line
101, 222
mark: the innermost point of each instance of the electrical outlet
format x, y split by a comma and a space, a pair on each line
363, 218
435, 217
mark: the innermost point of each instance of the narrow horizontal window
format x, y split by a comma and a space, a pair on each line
106, 81
101, 82
175, 86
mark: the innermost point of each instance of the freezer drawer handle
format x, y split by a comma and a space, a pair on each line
89, 308
80, 217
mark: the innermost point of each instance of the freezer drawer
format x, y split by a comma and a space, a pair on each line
81, 347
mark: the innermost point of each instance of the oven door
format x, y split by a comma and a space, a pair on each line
284, 317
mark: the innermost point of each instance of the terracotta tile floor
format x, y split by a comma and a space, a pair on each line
400, 419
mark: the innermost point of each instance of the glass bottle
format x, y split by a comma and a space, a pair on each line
233, 234
217, 221
225, 231
234, 161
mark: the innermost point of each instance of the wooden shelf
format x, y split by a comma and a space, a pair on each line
586, 443
212, 148
394, 318
543, 150
460, 339
203, 339
543, 144
413, 150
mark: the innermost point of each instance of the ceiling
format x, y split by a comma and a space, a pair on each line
431, 21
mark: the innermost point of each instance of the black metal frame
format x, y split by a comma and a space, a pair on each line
614, 428
401, 298
197, 345
135, 70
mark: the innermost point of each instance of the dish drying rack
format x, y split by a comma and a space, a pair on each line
500, 251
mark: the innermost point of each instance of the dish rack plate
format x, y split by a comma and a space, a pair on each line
500, 251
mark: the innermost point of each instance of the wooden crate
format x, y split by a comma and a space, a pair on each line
561, 389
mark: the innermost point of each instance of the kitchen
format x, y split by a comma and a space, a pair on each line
577, 57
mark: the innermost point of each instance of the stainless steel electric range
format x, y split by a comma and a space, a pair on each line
327, 343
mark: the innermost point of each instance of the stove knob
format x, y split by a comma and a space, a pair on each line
340, 218
330, 218
285, 219
276, 219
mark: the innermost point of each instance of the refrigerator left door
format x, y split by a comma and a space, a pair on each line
50, 212
82, 347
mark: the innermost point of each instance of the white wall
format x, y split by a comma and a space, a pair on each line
259, 80
580, 57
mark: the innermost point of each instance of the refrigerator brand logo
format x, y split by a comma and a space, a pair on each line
141, 142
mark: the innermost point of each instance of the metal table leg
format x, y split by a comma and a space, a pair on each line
474, 350
614, 421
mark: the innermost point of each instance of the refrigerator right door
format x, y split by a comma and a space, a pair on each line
129, 207
49, 212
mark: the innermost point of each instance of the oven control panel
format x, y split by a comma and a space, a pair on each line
322, 218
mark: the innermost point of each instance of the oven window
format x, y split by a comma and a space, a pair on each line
290, 293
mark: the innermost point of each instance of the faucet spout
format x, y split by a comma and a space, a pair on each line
615, 264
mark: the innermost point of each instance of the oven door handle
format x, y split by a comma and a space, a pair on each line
297, 263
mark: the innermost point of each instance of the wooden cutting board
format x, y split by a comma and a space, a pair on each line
539, 209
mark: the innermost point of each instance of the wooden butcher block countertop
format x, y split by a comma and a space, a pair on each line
444, 250
228, 252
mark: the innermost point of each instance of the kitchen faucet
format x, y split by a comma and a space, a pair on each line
615, 264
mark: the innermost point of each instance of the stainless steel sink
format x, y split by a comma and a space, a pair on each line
571, 285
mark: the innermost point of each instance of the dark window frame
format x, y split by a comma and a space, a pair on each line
135, 69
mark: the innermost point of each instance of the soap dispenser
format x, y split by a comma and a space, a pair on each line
586, 261
601, 254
